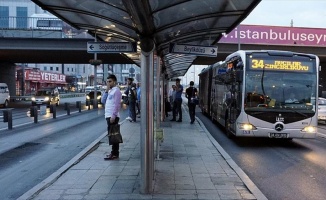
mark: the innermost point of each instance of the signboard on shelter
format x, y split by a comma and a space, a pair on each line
111, 47
210, 51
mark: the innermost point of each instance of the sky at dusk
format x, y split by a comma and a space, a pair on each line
304, 13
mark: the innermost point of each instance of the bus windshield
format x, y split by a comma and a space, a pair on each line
280, 90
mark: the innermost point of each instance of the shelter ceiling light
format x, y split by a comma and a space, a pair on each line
110, 26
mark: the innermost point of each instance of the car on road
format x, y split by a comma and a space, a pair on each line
322, 109
89, 89
90, 96
4, 95
46, 96
123, 89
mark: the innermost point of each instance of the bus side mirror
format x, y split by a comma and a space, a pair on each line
239, 76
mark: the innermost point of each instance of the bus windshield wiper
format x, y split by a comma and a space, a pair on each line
256, 113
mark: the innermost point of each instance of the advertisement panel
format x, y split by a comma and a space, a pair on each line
276, 35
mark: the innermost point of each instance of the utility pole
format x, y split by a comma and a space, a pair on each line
194, 73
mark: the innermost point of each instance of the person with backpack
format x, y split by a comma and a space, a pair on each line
132, 99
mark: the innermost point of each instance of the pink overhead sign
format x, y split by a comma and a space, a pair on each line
276, 35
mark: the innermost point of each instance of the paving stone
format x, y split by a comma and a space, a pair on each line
185, 186
46, 196
164, 197
95, 197
118, 196
229, 194
208, 196
76, 191
186, 196
72, 197
189, 192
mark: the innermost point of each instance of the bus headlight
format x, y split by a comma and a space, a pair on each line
33, 98
247, 127
309, 129
46, 99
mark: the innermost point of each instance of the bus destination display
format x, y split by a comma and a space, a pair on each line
280, 65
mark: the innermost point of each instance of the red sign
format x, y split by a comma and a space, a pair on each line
44, 77
31, 75
278, 35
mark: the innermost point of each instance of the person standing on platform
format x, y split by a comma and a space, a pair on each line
171, 93
132, 97
112, 101
177, 101
191, 92
138, 99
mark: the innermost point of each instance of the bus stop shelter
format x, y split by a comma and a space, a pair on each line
154, 25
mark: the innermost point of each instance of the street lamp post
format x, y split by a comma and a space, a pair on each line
194, 73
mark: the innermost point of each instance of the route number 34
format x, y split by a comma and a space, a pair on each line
257, 63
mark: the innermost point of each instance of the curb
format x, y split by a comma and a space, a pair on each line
242, 175
53, 177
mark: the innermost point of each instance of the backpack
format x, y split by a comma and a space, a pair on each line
131, 94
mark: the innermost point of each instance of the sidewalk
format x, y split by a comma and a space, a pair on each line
193, 166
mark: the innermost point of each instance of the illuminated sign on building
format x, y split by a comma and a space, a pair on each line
276, 35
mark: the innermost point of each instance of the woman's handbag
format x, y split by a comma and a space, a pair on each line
194, 99
114, 134
167, 106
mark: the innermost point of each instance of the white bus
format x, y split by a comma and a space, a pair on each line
263, 94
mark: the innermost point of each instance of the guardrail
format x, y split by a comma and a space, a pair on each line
63, 95
9, 114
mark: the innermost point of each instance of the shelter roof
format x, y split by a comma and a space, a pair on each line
191, 22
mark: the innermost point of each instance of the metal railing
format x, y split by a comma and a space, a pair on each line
31, 23
36, 27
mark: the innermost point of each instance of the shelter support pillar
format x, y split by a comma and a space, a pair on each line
165, 88
147, 121
159, 93
163, 96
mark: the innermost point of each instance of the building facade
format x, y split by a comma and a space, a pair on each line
17, 14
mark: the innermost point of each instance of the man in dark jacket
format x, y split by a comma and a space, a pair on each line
177, 101
132, 98
191, 92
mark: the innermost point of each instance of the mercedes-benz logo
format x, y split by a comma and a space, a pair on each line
279, 127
